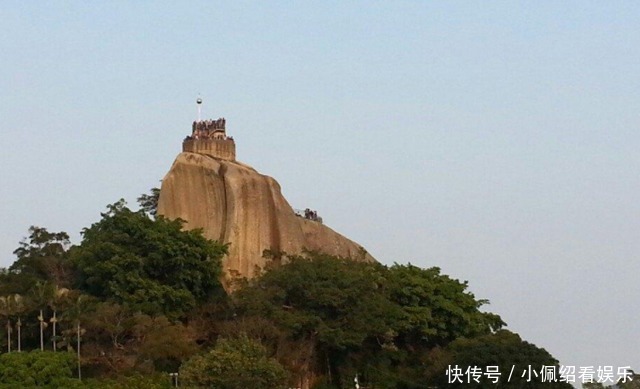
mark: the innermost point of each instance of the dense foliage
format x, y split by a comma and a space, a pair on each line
351, 317
234, 364
149, 265
140, 298
149, 202
504, 350
36, 368
41, 257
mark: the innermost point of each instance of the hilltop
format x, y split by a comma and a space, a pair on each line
235, 204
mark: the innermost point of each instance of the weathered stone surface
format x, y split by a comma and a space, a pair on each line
235, 204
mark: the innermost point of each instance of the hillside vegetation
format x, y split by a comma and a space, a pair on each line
140, 298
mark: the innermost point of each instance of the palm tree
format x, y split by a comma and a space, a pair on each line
6, 309
57, 297
76, 312
19, 309
41, 297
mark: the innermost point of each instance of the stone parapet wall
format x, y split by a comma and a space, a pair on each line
224, 149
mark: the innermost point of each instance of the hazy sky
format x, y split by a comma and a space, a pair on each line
498, 140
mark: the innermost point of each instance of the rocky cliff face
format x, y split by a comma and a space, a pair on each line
235, 204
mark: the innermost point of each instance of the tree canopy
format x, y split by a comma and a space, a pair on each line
361, 317
41, 257
36, 368
150, 265
238, 363
149, 202
503, 350
141, 297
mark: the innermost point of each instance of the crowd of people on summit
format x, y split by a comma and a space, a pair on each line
310, 215
210, 124
209, 129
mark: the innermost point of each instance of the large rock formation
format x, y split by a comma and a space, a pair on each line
235, 204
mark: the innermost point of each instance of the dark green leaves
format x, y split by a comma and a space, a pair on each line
363, 318
150, 265
149, 202
234, 364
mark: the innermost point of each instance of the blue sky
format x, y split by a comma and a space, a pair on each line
497, 140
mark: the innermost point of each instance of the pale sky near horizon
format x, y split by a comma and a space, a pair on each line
497, 140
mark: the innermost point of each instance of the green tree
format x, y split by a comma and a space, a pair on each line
166, 345
117, 340
360, 318
42, 264
150, 265
149, 202
327, 306
42, 257
234, 364
503, 349
36, 368
436, 308
336, 300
